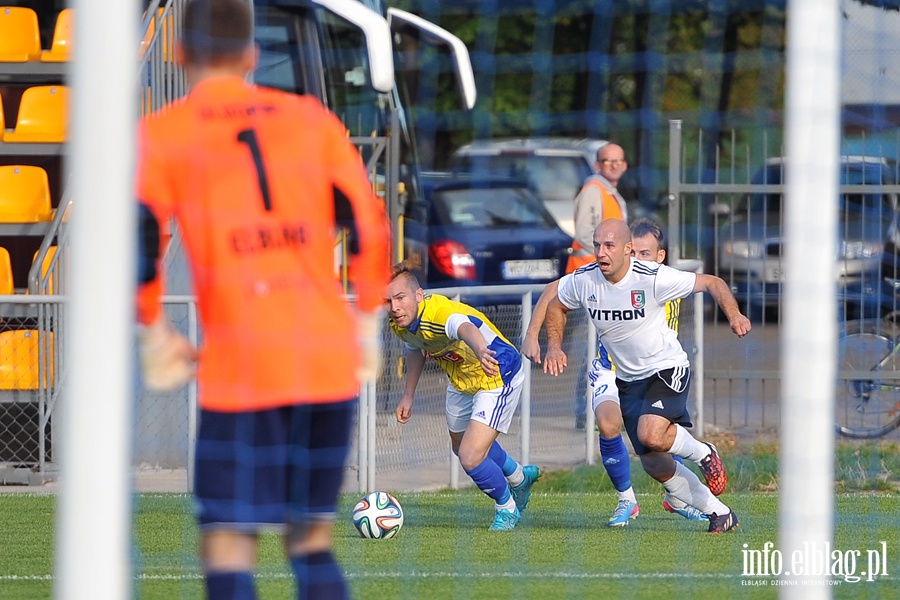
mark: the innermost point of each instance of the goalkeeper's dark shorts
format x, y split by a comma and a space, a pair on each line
259, 469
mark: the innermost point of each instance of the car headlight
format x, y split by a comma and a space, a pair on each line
743, 249
854, 250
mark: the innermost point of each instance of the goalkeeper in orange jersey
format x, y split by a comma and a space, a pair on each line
259, 181
486, 378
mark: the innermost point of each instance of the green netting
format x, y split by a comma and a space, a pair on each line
621, 70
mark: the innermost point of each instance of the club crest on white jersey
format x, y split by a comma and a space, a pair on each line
630, 315
638, 299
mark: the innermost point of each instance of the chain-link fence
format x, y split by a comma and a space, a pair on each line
731, 219
32, 333
413, 455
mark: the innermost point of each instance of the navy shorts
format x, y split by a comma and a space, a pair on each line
664, 393
262, 468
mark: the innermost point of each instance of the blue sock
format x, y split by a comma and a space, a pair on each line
319, 576
678, 459
506, 463
230, 585
490, 479
616, 462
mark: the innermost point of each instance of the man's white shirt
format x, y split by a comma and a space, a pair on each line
630, 316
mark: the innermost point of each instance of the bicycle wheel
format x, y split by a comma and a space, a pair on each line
867, 403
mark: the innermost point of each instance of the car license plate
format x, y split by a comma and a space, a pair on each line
547, 268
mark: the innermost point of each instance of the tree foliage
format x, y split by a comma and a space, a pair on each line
616, 69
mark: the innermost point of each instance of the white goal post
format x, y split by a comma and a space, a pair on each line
93, 545
809, 339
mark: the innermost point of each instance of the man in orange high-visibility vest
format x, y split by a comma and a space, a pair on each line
597, 201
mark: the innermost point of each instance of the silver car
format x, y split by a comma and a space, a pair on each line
555, 167
751, 241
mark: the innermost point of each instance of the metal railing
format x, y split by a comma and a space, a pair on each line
706, 197
33, 337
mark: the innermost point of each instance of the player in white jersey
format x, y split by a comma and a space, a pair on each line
625, 298
648, 244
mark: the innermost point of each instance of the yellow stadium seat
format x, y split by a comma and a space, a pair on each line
6, 274
24, 194
61, 48
20, 359
43, 115
20, 36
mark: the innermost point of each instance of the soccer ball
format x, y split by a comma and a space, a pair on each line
378, 516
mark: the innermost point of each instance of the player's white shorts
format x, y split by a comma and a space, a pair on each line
494, 408
603, 384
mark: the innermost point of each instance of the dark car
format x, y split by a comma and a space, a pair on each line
750, 244
486, 231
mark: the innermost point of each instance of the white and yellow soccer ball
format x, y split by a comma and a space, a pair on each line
378, 516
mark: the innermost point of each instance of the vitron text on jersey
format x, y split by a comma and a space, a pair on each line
604, 314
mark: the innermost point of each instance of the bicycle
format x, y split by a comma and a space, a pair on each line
867, 403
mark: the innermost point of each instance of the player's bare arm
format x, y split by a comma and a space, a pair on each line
718, 289
415, 363
555, 362
474, 340
531, 347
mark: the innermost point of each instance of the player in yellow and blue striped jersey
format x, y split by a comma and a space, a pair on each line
486, 378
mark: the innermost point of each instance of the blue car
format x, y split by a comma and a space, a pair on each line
484, 231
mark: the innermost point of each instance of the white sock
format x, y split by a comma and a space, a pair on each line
674, 502
688, 488
688, 447
509, 505
627, 495
517, 477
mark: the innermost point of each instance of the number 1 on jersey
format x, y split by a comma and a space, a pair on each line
248, 136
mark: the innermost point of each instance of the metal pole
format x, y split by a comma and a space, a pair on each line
392, 181
590, 454
46, 381
454, 461
193, 335
699, 371
371, 406
93, 549
362, 439
674, 191
525, 410
454, 471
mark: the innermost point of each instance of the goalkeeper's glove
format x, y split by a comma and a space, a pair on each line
168, 359
369, 325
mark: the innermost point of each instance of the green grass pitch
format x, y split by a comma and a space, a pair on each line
561, 549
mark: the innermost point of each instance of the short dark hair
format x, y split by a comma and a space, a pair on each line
216, 30
641, 227
401, 270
